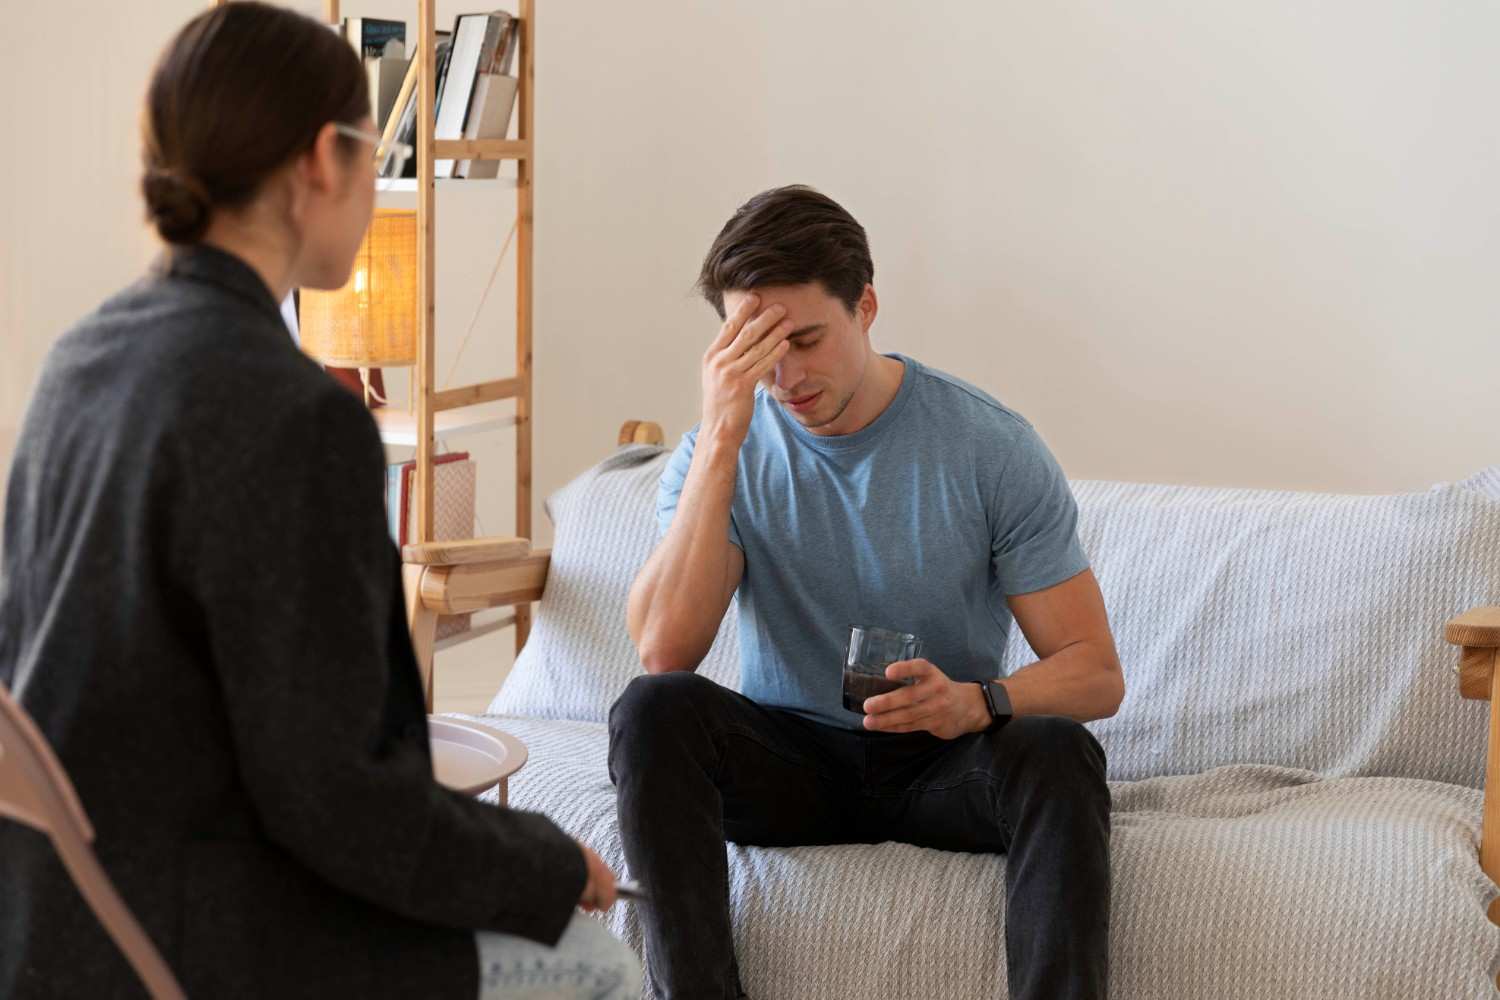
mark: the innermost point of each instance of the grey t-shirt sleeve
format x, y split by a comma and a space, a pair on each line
1033, 520
669, 489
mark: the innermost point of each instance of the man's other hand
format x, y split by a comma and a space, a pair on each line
934, 703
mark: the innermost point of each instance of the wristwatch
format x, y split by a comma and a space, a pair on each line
998, 700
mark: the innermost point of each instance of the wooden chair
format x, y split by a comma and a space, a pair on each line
452, 578
34, 790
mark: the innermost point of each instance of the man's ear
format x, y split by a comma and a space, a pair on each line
866, 308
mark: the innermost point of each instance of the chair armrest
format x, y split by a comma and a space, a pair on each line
457, 589
641, 432
465, 552
1478, 632
1475, 627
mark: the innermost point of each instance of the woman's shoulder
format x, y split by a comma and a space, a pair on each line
200, 364
162, 318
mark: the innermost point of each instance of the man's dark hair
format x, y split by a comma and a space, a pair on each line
788, 236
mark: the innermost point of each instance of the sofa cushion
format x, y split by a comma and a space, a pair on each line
1302, 630
579, 656
1251, 882
1485, 481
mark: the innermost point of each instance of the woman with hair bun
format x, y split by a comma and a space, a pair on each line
202, 610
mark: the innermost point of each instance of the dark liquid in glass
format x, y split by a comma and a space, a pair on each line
858, 687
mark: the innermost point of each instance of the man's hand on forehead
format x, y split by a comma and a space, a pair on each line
748, 347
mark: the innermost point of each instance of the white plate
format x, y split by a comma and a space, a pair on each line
470, 758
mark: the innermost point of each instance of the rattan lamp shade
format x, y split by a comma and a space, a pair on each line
372, 321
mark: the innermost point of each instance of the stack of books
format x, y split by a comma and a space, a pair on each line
475, 89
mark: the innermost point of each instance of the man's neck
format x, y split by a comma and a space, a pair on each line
876, 391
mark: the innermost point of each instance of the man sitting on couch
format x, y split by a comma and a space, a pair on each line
859, 488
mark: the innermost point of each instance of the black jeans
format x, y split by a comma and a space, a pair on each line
696, 764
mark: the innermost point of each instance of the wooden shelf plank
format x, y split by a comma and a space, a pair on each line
398, 427
481, 149
408, 185
473, 395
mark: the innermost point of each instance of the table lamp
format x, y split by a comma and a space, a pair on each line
372, 321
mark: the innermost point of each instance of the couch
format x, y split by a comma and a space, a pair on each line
1297, 783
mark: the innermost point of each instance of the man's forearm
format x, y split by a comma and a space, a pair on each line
677, 603
1082, 681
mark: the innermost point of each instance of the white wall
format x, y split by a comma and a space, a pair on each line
1192, 241
70, 228
1205, 242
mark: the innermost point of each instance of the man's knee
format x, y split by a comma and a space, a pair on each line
655, 721
1052, 746
652, 700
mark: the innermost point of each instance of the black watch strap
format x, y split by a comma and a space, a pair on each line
998, 700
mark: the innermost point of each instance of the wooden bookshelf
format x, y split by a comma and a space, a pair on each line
464, 408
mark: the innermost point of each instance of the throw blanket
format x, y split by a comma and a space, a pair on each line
1247, 881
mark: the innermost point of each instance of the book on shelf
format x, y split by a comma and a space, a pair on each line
453, 498
397, 116
489, 118
375, 37
403, 127
444, 59
381, 45
505, 55
385, 75
494, 97
481, 47
475, 95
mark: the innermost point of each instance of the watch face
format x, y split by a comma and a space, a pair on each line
989, 699
999, 699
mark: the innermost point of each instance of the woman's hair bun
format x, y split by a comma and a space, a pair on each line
177, 204
217, 127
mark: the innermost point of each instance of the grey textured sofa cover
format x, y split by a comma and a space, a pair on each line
1295, 777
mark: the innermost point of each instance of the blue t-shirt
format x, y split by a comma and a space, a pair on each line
922, 522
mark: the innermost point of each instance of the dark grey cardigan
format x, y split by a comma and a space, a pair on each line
201, 607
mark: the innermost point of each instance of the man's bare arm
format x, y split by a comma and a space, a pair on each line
681, 594
1078, 674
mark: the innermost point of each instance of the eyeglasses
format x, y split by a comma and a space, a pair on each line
393, 152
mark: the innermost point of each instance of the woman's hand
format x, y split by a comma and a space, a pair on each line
599, 891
